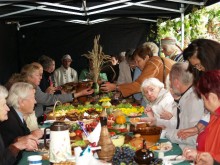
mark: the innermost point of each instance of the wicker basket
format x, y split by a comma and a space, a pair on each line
53, 116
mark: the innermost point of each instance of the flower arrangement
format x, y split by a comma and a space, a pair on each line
97, 59
105, 102
105, 99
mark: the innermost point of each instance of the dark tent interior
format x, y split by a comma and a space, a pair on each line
29, 29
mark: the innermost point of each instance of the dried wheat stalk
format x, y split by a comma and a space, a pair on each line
97, 58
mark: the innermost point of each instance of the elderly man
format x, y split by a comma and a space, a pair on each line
65, 73
9, 155
190, 108
171, 49
21, 100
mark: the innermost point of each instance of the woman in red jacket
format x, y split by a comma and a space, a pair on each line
208, 140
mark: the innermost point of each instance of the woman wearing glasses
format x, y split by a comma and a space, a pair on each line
203, 55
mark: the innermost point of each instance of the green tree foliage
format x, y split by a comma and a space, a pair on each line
201, 23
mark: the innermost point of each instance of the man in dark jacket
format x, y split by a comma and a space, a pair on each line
8, 156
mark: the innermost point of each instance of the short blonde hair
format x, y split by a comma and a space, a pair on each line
28, 69
153, 47
19, 90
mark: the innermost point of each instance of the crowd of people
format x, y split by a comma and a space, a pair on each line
180, 92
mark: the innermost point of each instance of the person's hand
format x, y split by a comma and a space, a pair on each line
28, 143
50, 90
84, 92
185, 133
150, 120
190, 153
38, 133
108, 87
149, 112
166, 115
204, 158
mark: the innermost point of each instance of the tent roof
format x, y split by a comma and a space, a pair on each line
26, 13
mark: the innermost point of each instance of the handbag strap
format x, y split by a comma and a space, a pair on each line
164, 70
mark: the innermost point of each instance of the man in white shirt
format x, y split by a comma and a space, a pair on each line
65, 73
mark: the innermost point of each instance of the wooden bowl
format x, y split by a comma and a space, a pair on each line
150, 133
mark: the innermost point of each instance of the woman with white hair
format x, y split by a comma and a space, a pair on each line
9, 155
21, 100
159, 99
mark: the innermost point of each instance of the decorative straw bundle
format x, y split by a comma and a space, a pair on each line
97, 58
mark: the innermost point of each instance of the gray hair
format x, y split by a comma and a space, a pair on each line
153, 47
3, 92
19, 90
45, 61
151, 81
180, 71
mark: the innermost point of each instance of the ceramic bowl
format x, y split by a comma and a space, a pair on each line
118, 140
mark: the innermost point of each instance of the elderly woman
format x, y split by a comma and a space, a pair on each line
32, 73
159, 99
9, 155
155, 50
21, 101
208, 140
151, 66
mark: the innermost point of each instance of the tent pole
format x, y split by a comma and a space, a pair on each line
182, 25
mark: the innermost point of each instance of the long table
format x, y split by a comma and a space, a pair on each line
174, 151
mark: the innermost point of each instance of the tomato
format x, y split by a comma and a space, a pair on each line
123, 130
88, 127
112, 133
79, 133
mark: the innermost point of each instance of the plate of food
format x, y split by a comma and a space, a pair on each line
133, 115
162, 147
174, 159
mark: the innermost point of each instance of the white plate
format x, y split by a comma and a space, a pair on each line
162, 150
179, 159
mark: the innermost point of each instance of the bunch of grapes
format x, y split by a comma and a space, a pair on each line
123, 155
